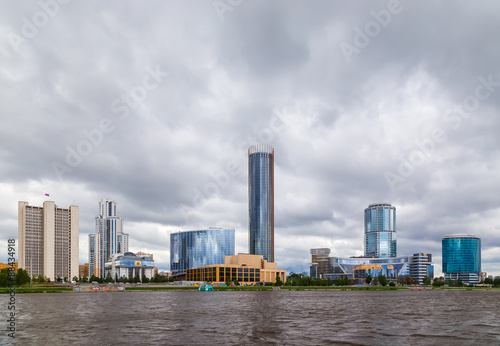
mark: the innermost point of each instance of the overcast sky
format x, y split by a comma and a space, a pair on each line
154, 105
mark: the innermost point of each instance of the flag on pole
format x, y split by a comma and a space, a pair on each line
47, 194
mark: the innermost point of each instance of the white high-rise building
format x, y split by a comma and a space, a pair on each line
48, 240
121, 243
104, 243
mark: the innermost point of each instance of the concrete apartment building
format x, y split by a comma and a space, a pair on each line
48, 240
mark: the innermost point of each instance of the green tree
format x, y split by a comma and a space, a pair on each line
368, 279
40, 279
488, 281
437, 282
145, 280
382, 279
343, 281
278, 281
375, 281
4, 277
58, 279
75, 278
427, 280
22, 277
109, 278
496, 282
392, 284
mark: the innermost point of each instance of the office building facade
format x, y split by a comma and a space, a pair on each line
48, 240
380, 231
462, 258
199, 248
261, 201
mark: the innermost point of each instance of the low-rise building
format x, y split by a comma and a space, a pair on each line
358, 268
83, 270
7, 266
245, 268
129, 265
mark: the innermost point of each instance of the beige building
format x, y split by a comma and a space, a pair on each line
245, 268
48, 240
84, 270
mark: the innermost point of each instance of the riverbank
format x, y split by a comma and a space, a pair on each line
65, 289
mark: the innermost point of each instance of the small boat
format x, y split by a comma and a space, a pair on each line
205, 287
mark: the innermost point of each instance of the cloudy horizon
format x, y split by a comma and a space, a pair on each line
154, 106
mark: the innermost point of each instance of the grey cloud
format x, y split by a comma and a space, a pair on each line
347, 124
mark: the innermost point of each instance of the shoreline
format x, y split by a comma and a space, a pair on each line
27, 290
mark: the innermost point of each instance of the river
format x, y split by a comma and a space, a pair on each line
401, 317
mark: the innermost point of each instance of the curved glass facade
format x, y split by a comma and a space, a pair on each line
199, 248
261, 201
380, 230
461, 255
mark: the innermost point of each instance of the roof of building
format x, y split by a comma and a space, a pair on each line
451, 236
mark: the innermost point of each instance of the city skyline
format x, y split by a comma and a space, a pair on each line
155, 107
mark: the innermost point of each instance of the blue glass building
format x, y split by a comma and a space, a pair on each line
462, 258
261, 201
193, 249
380, 231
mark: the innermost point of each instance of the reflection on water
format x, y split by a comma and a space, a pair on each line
275, 317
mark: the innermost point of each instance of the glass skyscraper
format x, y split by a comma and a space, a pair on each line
380, 230
462, 257
194, 249
261, 201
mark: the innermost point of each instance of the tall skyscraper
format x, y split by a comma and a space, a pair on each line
380, 230
108, 227
462, 258
48, 240
261, 201
92, 254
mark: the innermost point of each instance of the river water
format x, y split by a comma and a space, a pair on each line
277, 317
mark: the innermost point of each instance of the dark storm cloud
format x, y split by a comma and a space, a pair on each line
268, 72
